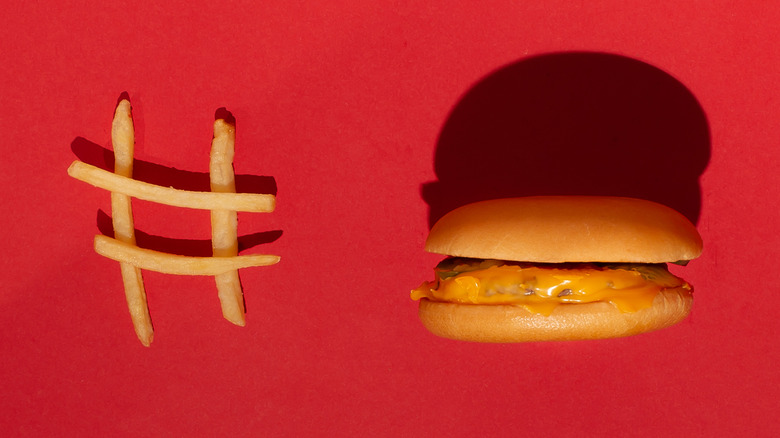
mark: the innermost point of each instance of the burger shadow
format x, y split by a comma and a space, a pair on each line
101, 157
575, 123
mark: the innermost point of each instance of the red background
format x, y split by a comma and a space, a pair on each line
365, 115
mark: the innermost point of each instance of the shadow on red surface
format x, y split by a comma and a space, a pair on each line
573, 124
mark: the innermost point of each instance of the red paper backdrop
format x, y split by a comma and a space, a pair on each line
369, 119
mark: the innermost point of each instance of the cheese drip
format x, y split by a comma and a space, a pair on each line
540, 289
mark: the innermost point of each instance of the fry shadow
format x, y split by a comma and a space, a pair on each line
572, 124
98, 156
187, 247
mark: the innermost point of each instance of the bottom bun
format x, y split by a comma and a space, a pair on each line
568, 322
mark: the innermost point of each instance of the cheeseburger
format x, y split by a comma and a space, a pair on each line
553, 268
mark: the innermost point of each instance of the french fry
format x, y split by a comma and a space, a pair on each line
224, 223
123, 141
222, 201
249, 202
165, 263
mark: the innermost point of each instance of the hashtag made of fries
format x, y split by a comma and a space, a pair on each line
222, 201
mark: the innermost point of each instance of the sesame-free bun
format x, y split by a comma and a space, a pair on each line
568, 322
557, 229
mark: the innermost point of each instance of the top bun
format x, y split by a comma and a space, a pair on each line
558, 229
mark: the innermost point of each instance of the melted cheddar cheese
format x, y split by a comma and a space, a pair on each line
540, 288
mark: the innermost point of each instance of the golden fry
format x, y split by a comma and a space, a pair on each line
165, 263
250, 202
224, 223
123, 140
222, 201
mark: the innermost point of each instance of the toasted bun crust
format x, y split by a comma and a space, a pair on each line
556, 229
568, 322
